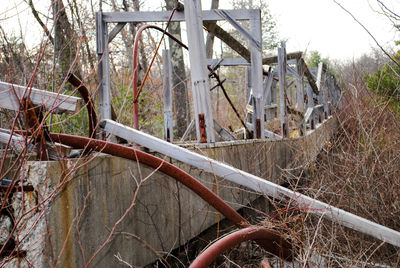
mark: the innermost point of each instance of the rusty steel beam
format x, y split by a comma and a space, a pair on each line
87, 97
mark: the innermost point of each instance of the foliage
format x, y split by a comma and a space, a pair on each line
386, 80
314, 58
270, 39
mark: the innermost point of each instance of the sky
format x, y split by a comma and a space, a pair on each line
306, 25
322, 25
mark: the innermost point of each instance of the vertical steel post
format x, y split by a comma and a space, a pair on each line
198, 72
310, 104
282, 64
257, 75
103, 67
167, 97
300, 85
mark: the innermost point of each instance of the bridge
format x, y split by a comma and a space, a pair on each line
110, 202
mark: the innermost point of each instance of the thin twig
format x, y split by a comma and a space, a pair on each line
370, 34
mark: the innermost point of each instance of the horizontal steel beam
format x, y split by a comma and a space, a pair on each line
163, 16
228, 62
274, 59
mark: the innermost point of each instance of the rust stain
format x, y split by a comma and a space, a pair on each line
65, 224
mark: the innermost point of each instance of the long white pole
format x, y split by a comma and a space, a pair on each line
254, 183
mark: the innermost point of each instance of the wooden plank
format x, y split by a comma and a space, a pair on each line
58, 103
260, 185
163, 16
198, 68
167, 96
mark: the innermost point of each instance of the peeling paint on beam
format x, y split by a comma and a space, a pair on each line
57, 103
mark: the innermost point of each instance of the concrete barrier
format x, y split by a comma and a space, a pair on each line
78, 202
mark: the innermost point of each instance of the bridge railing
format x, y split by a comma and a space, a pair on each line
296, 95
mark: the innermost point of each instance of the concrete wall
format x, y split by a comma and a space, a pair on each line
79, 202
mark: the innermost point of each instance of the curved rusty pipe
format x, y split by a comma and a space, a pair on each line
135, 66
86, 96
135, 75
209, 255
280, 247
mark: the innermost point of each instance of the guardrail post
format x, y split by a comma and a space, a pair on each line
167, 97
282, 89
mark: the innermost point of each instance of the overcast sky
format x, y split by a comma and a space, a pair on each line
322, 25
306, 24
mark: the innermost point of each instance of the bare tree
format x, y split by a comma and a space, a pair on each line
210, 36
181, 103
64, 38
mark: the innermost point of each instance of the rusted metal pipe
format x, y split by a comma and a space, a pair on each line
255, 233
87, 97
36, 126
135, 65
156, 163
280, 246
136, 94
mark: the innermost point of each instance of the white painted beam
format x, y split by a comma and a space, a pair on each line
58, 103
257, 75
163, 16
15, 141
260, 185
229, 62
198, 68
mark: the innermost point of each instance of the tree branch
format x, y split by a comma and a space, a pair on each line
365, 28
39, 20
